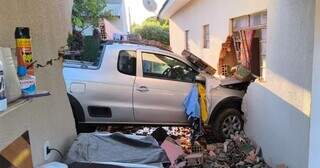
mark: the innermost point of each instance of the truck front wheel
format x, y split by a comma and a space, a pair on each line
228, 122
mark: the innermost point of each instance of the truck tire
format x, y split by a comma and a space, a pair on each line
81, 127
228, 122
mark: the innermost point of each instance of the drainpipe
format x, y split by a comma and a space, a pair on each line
162, 8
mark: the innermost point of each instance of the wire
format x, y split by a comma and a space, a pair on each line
53, 149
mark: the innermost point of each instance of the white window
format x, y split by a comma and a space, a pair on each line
258, 23
206, 36
187, 39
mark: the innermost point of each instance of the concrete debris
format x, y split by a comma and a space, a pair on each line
282, 166
194, 160
173, 150
198, 62
236, 152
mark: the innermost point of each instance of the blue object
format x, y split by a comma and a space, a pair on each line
27, 82
30, 90
191, 103
22, 71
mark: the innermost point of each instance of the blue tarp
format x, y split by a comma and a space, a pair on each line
191, 103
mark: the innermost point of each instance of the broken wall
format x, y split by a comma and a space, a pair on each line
48, 118
216, 13
278, 110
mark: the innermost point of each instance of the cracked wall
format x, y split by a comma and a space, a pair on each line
278, 110
48, 118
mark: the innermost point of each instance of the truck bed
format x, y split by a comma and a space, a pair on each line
79, 64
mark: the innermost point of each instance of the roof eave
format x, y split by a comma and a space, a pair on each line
170, 7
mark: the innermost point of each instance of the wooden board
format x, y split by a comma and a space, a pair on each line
17, 154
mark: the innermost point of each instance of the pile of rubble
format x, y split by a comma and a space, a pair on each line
238, 151
181, 135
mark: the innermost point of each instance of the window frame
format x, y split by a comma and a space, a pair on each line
186, 36
249, 20
206, 36
135, 66
164, 78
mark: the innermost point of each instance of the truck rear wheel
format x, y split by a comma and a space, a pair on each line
81, 127
228, 122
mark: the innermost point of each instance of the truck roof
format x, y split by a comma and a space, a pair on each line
112, 45
133, 46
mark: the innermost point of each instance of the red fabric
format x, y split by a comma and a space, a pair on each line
246, 41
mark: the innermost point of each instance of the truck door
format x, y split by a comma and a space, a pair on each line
161, 85
109, 98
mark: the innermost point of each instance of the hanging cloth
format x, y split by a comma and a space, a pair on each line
246, 41
191, 103
192, 109
203, 102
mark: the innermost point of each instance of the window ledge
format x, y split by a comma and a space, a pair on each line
16, 104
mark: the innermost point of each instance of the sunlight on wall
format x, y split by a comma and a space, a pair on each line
293, 94
177, 39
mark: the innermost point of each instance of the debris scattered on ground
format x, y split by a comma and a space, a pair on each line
173, 150
104, 147
236, 152
198, 62
282, 166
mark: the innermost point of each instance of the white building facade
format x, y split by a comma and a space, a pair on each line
281, 108
127, 13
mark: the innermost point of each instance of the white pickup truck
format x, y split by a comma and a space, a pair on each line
138, 84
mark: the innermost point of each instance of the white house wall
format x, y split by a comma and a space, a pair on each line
216, 13
278, 110
48, 118
314, 146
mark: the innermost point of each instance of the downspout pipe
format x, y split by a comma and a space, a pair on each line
162, 8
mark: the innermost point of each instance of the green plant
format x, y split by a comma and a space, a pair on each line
153, 29
90, 49
75, 41
86, 13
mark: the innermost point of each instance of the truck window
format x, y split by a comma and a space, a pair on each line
165, 67
127, 62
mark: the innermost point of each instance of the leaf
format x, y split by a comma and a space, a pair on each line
88, 12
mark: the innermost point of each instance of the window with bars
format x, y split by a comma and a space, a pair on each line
206, 36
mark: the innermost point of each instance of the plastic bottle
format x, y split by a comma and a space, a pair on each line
27, 82
3, 99
25, 61
13, 89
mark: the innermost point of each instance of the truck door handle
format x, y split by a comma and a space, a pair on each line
142, 89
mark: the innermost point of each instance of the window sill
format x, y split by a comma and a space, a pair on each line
16, 104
